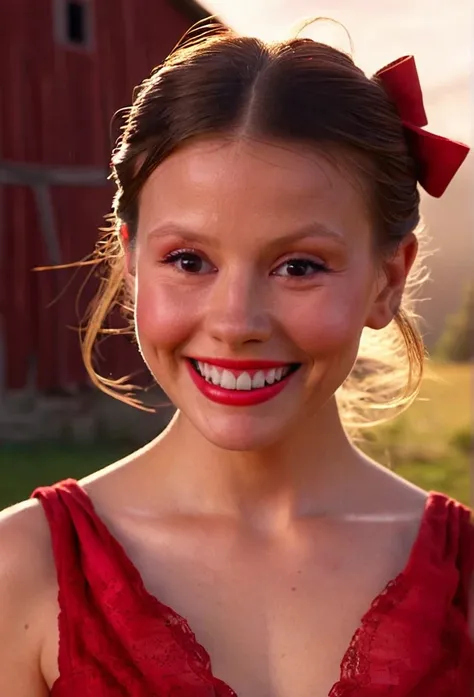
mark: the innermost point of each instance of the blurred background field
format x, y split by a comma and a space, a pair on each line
431, 444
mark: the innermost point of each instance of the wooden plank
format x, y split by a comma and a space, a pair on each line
37, 175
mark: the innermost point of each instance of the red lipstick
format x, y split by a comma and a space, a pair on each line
239, 398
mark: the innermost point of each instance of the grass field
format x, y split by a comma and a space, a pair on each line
431, 445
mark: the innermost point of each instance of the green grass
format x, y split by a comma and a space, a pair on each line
25, 467
430, 445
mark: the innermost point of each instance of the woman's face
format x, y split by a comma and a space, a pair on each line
254, 276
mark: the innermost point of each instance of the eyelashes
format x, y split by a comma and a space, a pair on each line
192, 262
189, 259
299, 267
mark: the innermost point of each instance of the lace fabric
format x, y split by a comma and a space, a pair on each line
118, 640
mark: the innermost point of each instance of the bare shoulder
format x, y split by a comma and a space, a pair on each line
26, 562
27, 577
398, 502
26, 558
394, 493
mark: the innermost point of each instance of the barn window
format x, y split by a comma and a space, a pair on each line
74, 23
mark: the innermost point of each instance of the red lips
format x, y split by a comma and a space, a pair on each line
238, 398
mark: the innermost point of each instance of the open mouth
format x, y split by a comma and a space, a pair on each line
242, 380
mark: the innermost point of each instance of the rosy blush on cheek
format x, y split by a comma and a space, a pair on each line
324, 327
163, 317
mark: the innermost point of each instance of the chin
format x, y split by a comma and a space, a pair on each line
245, 432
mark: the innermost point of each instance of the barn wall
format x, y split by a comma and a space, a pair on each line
56, 103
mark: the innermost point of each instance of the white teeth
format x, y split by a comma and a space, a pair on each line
228, 381
270, 376
258, 380
244, 382
215, 375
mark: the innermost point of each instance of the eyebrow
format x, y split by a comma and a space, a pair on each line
170, 229
314, 229
311, 230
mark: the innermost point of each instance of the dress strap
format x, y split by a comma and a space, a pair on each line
111, 630
465, 530
445, 541
79, 555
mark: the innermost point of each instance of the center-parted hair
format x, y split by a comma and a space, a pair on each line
300, 91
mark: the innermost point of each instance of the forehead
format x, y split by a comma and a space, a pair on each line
246, 183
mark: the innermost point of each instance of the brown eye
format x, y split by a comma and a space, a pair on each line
299, 267
188, 262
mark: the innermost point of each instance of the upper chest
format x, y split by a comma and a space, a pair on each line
275, 615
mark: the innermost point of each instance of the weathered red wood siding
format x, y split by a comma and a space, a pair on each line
56, 103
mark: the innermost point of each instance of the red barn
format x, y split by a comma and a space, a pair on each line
65, 67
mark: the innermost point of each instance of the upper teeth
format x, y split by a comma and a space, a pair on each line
241, 380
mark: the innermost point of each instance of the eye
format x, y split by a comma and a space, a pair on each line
299, 267
188, 261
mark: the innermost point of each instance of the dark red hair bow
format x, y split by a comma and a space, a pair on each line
437, 158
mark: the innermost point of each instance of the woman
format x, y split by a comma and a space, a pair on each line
265, 228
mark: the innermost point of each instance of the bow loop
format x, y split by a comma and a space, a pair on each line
437, 158
401, 82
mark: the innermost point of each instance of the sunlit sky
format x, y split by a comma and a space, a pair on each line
440, 33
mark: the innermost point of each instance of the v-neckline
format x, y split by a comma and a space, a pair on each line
183, 634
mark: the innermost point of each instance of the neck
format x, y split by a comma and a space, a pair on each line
311, 471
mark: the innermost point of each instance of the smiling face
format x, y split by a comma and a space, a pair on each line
250, 251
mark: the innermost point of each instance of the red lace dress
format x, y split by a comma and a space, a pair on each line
117, 640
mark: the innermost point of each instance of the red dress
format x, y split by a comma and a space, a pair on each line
116, 640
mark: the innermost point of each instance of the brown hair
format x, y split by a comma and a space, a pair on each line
298, 90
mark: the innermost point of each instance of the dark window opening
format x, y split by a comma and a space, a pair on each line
76, 23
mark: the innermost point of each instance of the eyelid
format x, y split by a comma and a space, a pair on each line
182, 250
307, 256
317, 261
175, 255
318, 264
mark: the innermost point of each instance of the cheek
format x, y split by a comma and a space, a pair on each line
329, 324
163, 315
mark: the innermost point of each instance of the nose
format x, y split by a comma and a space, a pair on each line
238, 311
